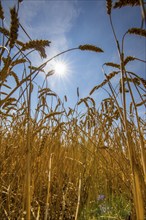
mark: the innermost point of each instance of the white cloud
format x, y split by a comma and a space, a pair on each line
51, 19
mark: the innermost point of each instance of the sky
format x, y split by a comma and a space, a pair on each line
70, 23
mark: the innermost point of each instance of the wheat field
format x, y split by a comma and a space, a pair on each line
60, 164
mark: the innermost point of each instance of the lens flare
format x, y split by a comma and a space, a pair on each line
60, 68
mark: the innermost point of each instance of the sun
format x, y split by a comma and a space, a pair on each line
60, 68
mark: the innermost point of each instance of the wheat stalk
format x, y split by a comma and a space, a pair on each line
48, 189
90, 48
37, 45
15, 77
122, 3
109, 6
1, 12
79, 196
112, 65
137, 31
14, 27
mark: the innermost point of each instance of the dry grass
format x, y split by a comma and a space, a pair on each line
96, 152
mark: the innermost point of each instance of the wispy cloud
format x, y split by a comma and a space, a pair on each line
49, 19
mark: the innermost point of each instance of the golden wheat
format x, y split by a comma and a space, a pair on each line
90, 48
122, 3
37, 45
15, 77
14, 27
4, 31
1, 12
112, 65
109, 6
137, 31
91, 153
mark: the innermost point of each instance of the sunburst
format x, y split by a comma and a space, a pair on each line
60, 68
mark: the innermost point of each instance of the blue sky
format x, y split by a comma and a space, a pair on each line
68, 24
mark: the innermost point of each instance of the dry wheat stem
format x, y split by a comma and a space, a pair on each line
79, 195
48, 190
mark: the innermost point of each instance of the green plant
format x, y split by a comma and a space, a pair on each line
113, 207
